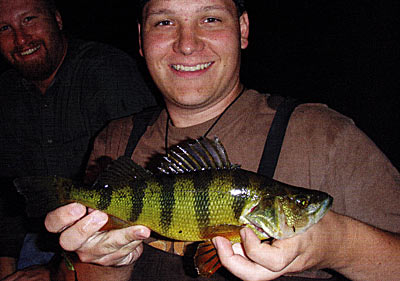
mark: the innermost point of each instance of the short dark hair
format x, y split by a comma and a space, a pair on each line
50, 5
240, 5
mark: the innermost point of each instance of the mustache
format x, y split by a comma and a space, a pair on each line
31, 44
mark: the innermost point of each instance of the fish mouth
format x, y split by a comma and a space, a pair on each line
324, 207
193, 68
260, 229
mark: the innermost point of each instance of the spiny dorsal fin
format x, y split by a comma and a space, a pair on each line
196, 155
122, 171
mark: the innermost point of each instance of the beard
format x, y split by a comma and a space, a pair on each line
41, 68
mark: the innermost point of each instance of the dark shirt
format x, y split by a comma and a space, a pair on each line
51, 133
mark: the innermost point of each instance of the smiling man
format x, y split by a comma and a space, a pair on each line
192, 49
57, 95
200, 70
31, 40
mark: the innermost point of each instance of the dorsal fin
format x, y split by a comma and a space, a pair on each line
196, 155
122, 171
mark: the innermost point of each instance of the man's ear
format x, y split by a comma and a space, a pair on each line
244, 30
140, 40
58, 20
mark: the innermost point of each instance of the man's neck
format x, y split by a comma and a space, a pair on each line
45, 84
186, 117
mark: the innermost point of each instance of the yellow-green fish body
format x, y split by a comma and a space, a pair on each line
198, 195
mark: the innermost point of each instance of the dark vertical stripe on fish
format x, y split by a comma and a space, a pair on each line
167, 202
240, 181
201, 199
138, 193
105, 194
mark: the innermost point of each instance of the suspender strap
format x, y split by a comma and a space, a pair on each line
140, 122
272, 146
276, 133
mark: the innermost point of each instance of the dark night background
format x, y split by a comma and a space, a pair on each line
344, 53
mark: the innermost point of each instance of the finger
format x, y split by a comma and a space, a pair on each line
110, 248
75, 236
237, 264
123, 256
275, 257
57, 220
238, 249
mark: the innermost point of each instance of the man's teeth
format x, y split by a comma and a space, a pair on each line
30, 51
180, 67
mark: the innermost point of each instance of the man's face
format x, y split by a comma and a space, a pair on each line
192, 49
30, 37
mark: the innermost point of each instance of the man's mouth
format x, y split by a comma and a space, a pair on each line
183, 68
30, 51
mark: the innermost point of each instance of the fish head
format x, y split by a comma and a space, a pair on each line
285, 215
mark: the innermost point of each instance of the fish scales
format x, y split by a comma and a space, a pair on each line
178, 206
195, 200
199, 200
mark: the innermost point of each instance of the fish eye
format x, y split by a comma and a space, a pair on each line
301, 201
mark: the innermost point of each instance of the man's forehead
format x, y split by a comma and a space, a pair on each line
27, 4
239, 3
161, 6
10, 9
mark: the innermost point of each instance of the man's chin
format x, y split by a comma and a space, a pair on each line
35, 73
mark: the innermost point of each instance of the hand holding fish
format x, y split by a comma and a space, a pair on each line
81, 233
255, 260
336, 242
197, 180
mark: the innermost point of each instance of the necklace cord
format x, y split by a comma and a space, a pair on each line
209, 129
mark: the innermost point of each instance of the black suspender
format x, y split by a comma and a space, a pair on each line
272, 146
276, 133
140, 122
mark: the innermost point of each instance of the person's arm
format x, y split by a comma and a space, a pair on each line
90, 272
12, 230
8, 266
115, 87
114, 250
352, 248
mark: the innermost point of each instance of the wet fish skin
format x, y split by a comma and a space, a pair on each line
198, 195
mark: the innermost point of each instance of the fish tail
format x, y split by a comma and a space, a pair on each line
43, 194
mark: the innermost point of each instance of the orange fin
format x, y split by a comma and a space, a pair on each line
115, 223
206, 259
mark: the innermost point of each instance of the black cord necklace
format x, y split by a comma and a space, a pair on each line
209, 129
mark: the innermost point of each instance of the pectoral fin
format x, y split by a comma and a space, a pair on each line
115, 223
206, 259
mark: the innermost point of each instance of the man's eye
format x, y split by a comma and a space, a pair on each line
164, 22
29, 18
211, 20
4, 28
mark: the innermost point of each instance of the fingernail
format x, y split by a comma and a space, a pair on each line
99, 217
141, 234
215, 241
77, 210
243, 234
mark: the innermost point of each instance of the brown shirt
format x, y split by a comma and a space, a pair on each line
322, 150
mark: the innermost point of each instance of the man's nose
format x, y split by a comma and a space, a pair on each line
21, 37
188, 41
